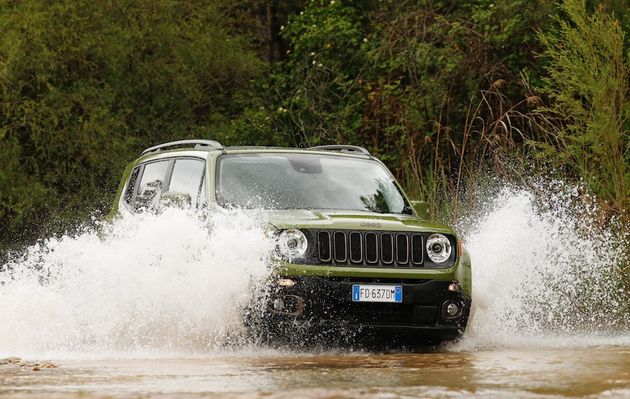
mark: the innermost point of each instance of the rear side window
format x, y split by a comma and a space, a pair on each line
187, 178
131, 185
152, 185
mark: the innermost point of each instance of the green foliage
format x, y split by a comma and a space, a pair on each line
509, 28
84, 85
440, 90
587, 83
318, 83
426, 87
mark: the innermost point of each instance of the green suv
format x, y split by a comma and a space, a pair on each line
352, 252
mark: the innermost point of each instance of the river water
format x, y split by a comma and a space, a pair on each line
497, 373
144, 308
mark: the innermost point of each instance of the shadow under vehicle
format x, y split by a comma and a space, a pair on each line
354, 258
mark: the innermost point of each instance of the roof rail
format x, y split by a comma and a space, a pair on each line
342, 148
213, 145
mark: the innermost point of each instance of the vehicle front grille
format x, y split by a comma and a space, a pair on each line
369, 248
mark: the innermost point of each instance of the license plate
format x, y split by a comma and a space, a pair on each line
377, 293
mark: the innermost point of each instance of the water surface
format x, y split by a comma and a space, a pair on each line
501, 373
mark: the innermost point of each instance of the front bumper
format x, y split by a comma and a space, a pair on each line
325, 304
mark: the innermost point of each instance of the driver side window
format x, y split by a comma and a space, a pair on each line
186, 180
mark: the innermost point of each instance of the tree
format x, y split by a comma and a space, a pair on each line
84, 85
587, 85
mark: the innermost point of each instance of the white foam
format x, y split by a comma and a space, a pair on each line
544, 273
148, 283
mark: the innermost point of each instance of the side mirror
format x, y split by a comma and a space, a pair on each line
173, 199
421, 208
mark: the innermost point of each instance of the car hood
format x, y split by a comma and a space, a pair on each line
350, 220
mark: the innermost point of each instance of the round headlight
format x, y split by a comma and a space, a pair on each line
438, 248
292, 243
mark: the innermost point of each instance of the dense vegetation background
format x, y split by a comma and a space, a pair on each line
443, 91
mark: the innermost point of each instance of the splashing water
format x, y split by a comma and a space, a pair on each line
544, 273
155, 283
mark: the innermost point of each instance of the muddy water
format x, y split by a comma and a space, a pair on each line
500, 373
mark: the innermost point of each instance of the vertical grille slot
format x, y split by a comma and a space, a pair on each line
371, 248
323, 241
340, 247
387, 248
402, 249
356, 248
416, 249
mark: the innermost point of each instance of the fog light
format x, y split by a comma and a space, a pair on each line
452, 309
278, 304
285, 282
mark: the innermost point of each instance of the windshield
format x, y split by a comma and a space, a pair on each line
307, 181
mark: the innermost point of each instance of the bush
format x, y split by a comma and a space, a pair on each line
587, 85
84, 85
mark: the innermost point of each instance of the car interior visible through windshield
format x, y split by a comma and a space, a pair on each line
307, 181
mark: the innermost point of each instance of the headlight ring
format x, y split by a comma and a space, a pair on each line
438, 248
292, 244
